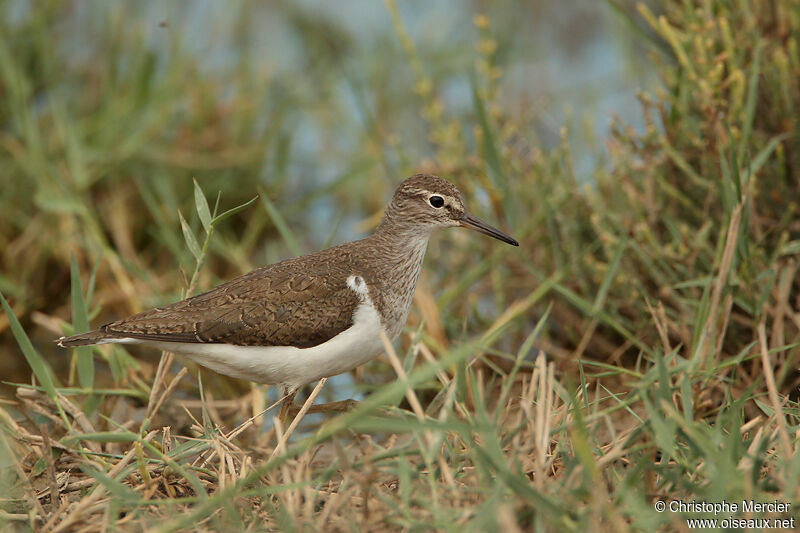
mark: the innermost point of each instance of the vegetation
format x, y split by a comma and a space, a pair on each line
641, 346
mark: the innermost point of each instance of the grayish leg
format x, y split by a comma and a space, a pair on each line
340, 406
286, 405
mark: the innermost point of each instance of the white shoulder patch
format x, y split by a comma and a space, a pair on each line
359, 286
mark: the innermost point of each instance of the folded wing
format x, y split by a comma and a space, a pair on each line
293, 303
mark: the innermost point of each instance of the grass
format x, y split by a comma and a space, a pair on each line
641, 346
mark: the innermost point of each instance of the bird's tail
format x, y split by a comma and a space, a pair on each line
84, 339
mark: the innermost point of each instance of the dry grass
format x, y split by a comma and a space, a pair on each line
340, 479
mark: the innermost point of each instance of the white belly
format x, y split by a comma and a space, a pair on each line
288, 365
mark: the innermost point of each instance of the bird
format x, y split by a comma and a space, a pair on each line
305, 318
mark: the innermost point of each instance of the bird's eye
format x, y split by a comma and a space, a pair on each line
436, 201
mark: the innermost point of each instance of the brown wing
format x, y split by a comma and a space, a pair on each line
300, 302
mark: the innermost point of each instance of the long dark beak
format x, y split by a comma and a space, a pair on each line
473, 222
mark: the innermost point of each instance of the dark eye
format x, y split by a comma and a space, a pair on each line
436, 201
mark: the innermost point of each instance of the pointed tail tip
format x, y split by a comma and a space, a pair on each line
67, 342
82, 339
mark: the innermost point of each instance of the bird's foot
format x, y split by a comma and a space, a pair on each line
340, 406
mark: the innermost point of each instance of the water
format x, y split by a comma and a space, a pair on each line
575, 56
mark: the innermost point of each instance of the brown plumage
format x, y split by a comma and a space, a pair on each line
300, 302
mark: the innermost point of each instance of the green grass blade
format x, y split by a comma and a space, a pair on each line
201, 204
35, 361
611, 273
765, 153
92, 280
190, 239
108, 436
605, 318
74, 391
489, 145
219, 218
119, 490
80, 322
750, 104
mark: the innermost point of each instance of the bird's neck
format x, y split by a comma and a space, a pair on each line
401, 249
398, 254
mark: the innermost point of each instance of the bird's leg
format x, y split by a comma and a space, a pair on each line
340, 406
287, 404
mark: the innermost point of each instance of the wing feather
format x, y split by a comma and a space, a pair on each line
299, 302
